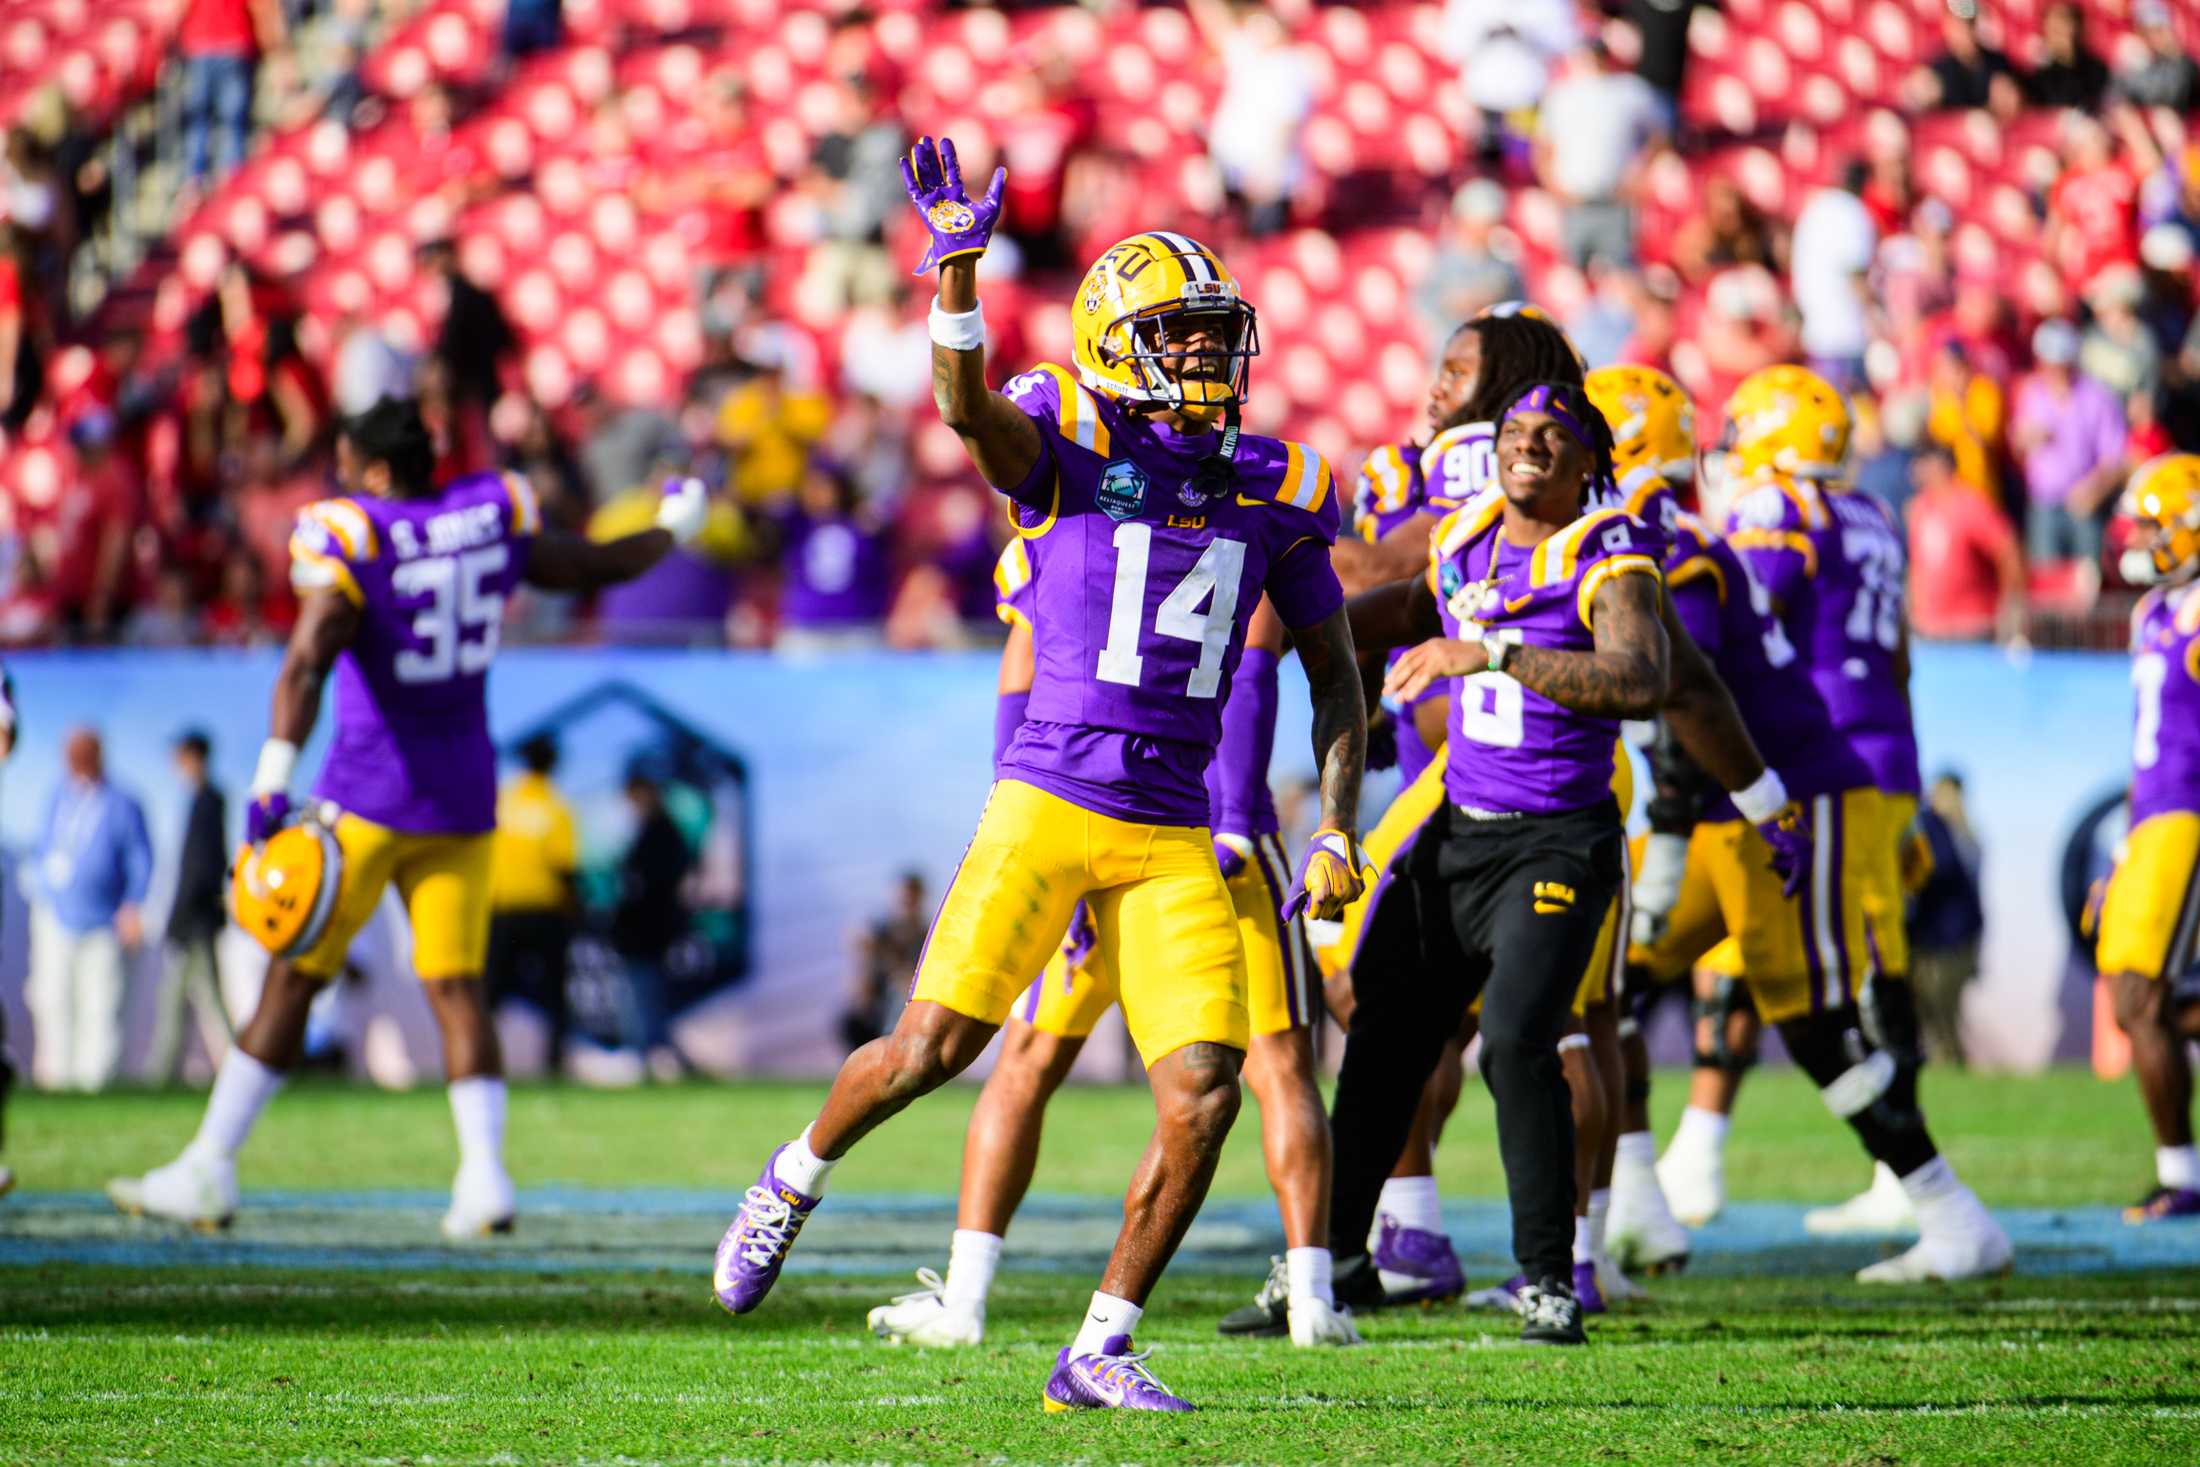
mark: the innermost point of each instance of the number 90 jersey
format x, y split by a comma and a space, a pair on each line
1512, 750
2165, 675
1835, 565
1142, 584
411, 747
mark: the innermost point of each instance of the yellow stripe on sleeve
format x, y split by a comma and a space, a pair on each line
526, 511
1605, 570
313, 570
1695, 568
1556, 558
349, 524
1079, 420
1800, 544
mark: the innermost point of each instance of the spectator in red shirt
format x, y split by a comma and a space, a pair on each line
1056, 122
2092, 212
1966, 571
19, 370
221, 42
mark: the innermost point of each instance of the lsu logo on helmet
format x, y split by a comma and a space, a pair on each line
283, 891
1653, 422
1136, 308
2162, 500
1789, 419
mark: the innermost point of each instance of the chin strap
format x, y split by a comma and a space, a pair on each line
1218, 470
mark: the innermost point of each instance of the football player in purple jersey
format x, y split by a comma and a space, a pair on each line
2150, 913
1547, 611
1154, 527
401, 589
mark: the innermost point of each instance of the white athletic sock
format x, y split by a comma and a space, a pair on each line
1702, 1132
477, 1110
1413, 1202
1600, 1209
801, 1168
1581, 1241
971, 1259
2177, 1166
1106, 1318
1637, 1147
1309, 1270
242, 1088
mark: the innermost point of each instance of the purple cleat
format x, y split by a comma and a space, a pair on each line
1114, 1379
1415, 1264
2164, 1202
1586, 1290
750, 1253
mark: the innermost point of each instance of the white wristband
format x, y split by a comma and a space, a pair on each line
1762, 800
958, 330
278, 761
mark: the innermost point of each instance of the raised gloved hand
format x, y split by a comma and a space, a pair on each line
684, 510
1332, 874
959, 225
1657, 887
1233, 853
1788, 833
264, 815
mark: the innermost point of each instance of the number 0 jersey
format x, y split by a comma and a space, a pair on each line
411, 748
2165, 675
1142, 584
1730, 617
1512, 749
1834, 564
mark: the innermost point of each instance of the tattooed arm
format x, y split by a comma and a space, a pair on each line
1002, 442
1701, 714
1402, 553
1625, 677
1340, 716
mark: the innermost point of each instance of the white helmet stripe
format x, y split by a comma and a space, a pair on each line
1194, 257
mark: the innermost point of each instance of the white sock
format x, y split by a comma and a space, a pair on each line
477, 1110
1309, 1270
242, 1088
801, 1168
1702, 1132
1638, 1148
1413, 1202
1600, 1209
971, 1259
2177, 1166
1581, 1241
1107, 1317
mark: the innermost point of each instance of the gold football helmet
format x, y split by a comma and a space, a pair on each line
1653, 422
283, 890
1133, 316
2162, 500
1786, 418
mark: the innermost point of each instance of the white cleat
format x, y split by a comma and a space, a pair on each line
482, 1202
1314, 1324
1883, 1207
190, 1189
926, 1318
1616, 1286
1980, 1249
1641, 1231
1694, 1185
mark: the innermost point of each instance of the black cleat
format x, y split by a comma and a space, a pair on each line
1357, 1285
1550, 1314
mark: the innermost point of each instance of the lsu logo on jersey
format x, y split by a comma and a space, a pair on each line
1122, 491
1552, 897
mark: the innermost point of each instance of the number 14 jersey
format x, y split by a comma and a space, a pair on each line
411, 748
1144, 576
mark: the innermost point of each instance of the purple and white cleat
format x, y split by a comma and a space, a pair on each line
1504, 1297
751, 1252
1586, 1290
1416, 1265
1114, 1379
2163, 1203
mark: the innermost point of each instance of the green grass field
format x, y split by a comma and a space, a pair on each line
400, 1351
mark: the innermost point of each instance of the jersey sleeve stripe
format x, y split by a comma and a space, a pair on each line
311, 570
1788, 540
1300, 466
1012, 616
1556, 558
1695, 568
1605, 570
526, 511
349, 524
1808, 506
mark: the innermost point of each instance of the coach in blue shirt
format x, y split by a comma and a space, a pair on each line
86, 880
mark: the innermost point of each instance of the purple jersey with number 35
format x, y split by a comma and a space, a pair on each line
1835, 566
411, 746
1141, 588
1512, 750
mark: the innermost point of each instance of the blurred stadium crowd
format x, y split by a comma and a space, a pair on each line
608, 240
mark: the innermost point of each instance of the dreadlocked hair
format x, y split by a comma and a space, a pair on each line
1518, 351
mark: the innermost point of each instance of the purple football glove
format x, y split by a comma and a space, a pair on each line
1788, 833
1332, 874
1232, 853
959, 225
264, 816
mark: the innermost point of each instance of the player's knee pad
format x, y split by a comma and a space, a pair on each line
1713, 1012
1861, 1085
